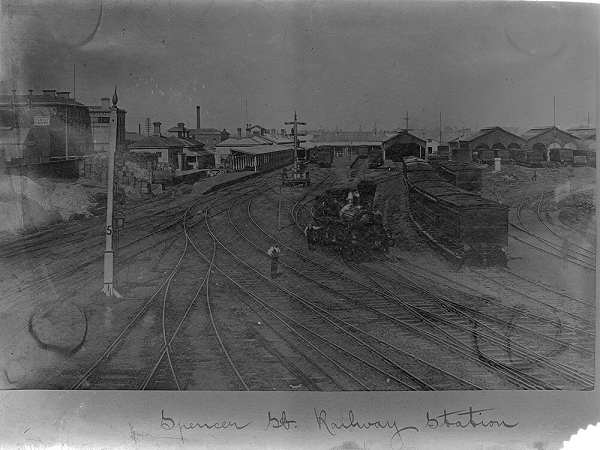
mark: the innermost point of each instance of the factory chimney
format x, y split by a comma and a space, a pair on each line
156, 128
198, 117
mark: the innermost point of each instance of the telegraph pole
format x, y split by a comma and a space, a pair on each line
296, 140
109, 288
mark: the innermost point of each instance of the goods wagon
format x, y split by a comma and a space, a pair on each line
465, 225
463, 175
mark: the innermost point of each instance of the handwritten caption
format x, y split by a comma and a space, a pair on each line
322, 421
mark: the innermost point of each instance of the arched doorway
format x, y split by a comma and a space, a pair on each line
516, 152
499, 150
554, 152
482, 153
538, 152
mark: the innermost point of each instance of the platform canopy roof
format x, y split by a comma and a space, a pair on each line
260, 149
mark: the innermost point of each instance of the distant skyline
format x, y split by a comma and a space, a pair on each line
339, 64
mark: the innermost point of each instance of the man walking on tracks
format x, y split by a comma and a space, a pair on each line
310, 232
273, 253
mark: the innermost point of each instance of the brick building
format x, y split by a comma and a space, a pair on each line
551, 142
485, 145
38, 127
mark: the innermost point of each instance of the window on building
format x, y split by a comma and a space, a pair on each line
103, 119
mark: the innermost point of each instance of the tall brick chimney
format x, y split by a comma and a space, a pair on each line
156, 128
198, 117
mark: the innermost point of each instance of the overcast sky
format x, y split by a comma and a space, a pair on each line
344, 64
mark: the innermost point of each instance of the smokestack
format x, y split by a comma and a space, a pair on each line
156, 128
239, 130
139, 128
198, 117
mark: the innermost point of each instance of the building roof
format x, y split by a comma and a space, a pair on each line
535, 132
261, 149
583, 132
313, 144
404, 133
45, 98
349, 136
156, 141
480, 133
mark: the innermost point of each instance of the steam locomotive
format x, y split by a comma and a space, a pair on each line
345, 219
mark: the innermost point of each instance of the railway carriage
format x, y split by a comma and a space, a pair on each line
461, 174
462, 223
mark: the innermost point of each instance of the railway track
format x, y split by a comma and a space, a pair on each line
367, 299
580, 250
111, 369
39, 284
336, 329
520, 329
100, 373
573, 376
572, 256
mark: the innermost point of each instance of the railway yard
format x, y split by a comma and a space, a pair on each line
200, 311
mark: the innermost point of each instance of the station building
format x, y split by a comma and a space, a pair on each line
259, 149
347, 143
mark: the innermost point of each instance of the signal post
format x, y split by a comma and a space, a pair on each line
109, 288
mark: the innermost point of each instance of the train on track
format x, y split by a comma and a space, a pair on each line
467, 227
297, 175
345, 218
